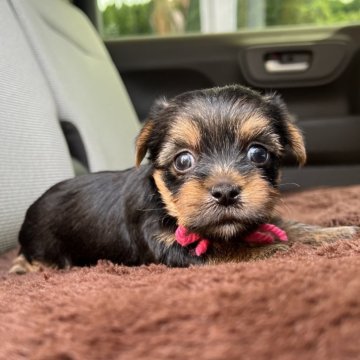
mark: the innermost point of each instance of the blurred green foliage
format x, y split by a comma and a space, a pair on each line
318, 12
127, 20
138, 19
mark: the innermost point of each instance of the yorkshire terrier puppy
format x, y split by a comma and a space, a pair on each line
207, 194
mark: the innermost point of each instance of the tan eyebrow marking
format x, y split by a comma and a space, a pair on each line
186, 131
183, 131
252, 127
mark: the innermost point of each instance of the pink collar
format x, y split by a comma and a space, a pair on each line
265, 234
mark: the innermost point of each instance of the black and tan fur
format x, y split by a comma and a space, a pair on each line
130, 216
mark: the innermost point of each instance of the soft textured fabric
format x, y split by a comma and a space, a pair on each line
33, 153
86, 86
303, 304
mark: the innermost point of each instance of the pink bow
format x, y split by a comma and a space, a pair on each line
184, 239
265, 234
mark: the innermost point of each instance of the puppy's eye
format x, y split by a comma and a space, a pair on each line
258, 155
184, 162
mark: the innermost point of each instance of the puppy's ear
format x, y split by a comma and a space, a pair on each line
142, 141
291, 133
146, 133
296, 142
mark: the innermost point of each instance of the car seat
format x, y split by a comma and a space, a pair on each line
54, 69
91, 99
33, 152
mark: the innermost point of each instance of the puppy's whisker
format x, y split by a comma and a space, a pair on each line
145, 210
151, 196
155, 221
292, 184
285, 206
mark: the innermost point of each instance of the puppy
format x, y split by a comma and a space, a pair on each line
213, 172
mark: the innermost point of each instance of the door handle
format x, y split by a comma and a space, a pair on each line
276, 66
287, 62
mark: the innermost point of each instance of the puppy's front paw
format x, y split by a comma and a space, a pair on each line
316, 235
329, 235
266, 251
248, 253
21, 266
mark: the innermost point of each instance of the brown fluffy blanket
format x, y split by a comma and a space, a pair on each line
304, 304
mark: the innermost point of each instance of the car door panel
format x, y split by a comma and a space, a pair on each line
324, 98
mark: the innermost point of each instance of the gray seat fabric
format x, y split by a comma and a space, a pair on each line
33, 153
87, 89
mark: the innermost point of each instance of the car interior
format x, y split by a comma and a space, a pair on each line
72, 102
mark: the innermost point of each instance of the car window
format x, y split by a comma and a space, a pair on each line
168, 17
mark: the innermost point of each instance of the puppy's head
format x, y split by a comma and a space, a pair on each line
216, 156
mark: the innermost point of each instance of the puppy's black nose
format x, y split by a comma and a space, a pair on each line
225, 194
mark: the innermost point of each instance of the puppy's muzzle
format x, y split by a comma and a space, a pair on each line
226, 194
